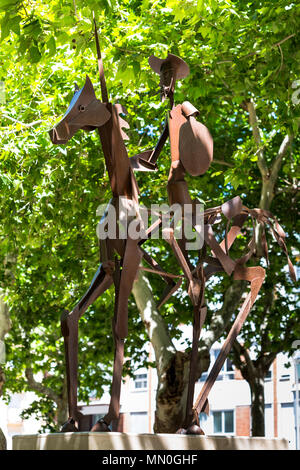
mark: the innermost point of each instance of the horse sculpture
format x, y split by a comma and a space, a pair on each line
192, 152
88, 113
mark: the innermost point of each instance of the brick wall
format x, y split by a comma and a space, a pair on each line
242, 421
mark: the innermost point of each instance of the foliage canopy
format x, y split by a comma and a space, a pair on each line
237, 51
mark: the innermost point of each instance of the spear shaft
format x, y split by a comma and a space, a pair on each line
100, 67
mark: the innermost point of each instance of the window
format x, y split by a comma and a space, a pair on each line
298, 371
140, 382
139, 422
205, 422
268, 376
227, 371
269, 420
285, 377
286, 423
203, 377
223, 422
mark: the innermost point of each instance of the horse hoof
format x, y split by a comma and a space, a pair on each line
194, 429
181, 431
100, 426
69, 426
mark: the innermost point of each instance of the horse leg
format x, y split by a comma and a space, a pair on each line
200, 312
123, 279
102, 425
191, 424
254, 275
196, 294
69, 327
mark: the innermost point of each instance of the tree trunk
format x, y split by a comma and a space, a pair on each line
2, 440
5, 325
257, 388
172, 366
61, 413
172, 394
62, 407
2, 436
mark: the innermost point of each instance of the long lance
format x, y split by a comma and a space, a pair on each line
100, 66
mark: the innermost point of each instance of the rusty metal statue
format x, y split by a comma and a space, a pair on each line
120, 258
192, 152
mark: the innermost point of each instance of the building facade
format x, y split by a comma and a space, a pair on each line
229, 400
230, 404
11, 422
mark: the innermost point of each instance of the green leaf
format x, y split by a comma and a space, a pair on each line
51, 46
35, 54
5, 30
25, 42
8, 4
14, 24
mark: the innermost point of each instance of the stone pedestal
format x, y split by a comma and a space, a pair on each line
126, 441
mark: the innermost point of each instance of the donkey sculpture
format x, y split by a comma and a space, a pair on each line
192, 152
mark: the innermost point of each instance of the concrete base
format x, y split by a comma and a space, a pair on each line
127, 441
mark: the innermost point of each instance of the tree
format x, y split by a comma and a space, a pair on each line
244, 61
5, 326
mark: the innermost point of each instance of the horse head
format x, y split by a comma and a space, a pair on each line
85, 112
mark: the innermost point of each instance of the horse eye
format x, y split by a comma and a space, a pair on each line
81, 107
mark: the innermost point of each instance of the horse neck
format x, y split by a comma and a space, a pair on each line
122, 180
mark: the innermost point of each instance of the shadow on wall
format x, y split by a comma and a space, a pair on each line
124, 441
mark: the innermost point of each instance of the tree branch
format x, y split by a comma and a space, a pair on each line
222, 162
271, 47
283, 40
39, 387
269, 359
261, 162
5, 322
23, 124
246, 367
276, 164
154, 323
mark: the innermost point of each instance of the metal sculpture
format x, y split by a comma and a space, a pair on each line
88, 113
120, 257
191, 152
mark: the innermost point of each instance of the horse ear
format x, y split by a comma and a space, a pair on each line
88, 88
76, 88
